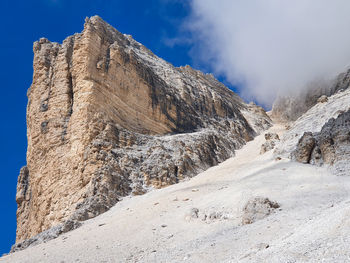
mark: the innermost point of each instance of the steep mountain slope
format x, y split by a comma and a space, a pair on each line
321, 136
107, 118
200, 220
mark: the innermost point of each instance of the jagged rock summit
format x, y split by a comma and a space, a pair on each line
107, 118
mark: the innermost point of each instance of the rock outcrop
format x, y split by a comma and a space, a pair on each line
330, 146
107, 118
305, 147
312, 122
258, 208
270, 141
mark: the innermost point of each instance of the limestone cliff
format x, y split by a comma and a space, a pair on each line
107, 118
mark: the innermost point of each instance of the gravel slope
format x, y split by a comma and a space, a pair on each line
311, 226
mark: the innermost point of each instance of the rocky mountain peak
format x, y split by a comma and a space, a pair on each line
107, 118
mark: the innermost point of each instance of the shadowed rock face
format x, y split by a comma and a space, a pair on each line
107, 118
330, 146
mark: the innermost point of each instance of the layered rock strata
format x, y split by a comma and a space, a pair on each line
107, 118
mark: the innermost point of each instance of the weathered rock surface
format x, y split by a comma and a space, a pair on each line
269, 144
107, 118
322, 99
330, 146
258, 208
47, 235
312, 121
305, 147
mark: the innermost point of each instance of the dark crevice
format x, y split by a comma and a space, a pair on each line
70, 94
108, 58
70, 91
44, 127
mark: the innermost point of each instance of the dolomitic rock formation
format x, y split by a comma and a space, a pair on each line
321, 135
330, 146
258, 208
107, 118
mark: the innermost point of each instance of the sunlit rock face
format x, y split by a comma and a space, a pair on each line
107, 118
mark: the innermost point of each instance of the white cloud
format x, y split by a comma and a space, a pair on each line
270, 47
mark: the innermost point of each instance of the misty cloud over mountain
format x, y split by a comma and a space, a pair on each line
270, 47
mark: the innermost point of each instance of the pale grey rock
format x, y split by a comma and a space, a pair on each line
272, 136
258, 208
305, 148
330, 146
194, 212
269, 144
322, 99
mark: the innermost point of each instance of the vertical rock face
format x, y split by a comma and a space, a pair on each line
107, 118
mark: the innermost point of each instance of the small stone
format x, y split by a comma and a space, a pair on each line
263, 246
194, 213
44, 106
100, 64
322, 99
271, 136
44, 127
271, 140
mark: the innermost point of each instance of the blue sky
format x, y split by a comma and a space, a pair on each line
154, 23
